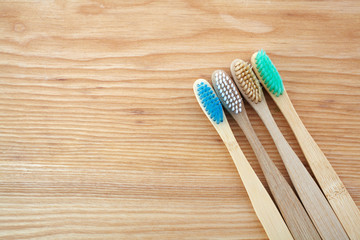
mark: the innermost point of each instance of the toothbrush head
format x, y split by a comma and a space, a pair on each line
208, 101
246, 80
267, 73
227, 91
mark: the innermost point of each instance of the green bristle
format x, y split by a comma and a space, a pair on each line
268, 73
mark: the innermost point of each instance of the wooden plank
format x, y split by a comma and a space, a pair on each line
102, 137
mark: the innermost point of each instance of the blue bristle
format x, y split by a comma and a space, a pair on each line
210, 102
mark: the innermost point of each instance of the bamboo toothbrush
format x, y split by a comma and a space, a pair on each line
290, 207
264, 207
335, 191
310, 194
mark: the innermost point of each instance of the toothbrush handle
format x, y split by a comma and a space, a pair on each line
291, 208
333, 188
310, 194
264, 207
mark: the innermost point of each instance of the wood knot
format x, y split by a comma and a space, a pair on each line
19, 27
137, 111
335, 193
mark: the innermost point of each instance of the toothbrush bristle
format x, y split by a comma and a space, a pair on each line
210, 102
227, 91
268, 73
247, 81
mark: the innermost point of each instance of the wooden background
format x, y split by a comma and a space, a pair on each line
102, 138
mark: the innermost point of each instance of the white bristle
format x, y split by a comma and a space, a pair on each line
228, 91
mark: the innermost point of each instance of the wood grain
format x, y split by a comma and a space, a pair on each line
101, 136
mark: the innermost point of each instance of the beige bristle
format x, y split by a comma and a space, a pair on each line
248, 81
